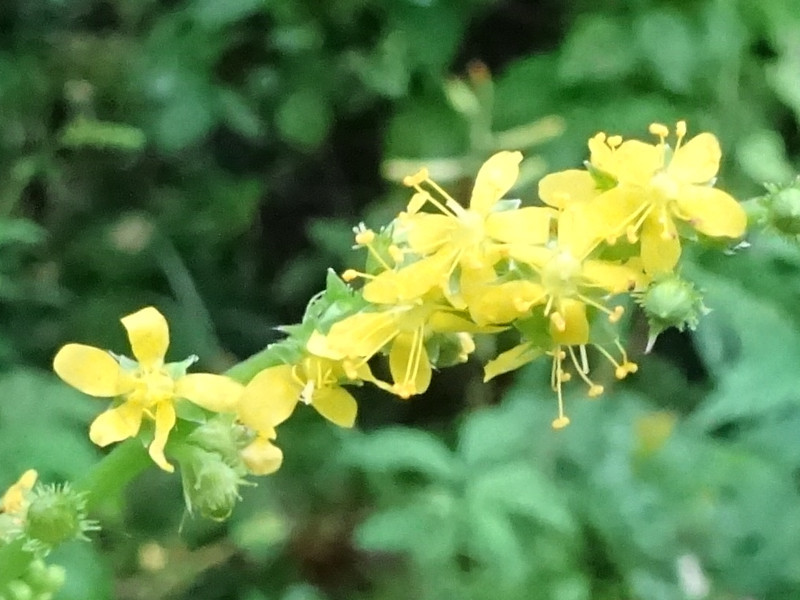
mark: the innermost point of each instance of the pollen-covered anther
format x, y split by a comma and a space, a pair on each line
350, 274
595, 390
560, 422
564, 376
630, 367
658, 129
631, 234
557, 319
365, 237
680, 129
616, 314
620, 372
414, 180
614, 140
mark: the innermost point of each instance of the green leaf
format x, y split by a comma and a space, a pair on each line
521, 489
397, 449
762, 156
89, 133
595, 50
750, 346
426, 529
215, 14
304, 118
667, 43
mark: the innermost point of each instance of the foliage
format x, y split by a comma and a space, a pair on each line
211, 157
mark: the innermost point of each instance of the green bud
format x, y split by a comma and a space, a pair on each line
55, 515
18, 590
670, 301
45, 578
221, 436
210, 484
784, 211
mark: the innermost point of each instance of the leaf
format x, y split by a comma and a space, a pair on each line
397, 449
521, 489
494, 434
593, 51
304, 118
426, 529
216, 14
668, 45
750, 346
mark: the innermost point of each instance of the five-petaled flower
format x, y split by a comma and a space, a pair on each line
148, 387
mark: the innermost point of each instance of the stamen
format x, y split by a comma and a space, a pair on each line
594, 389
350, 274
557, 378
417, 178
659, 130
584, 358
557, 319
680, 132
614, 140
376, 255
365, 237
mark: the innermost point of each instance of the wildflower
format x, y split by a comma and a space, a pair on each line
472, 237
403, 328
657, 186
149, 387
272, 395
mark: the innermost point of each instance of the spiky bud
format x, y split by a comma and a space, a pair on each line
670, 301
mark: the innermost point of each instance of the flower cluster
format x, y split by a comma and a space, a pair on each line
558, 274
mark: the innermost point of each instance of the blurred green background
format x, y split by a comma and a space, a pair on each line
211, 156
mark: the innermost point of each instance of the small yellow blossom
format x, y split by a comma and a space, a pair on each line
14, 500
472, 237
657, 186
148, 388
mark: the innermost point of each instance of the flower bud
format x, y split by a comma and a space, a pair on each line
221, 436
18, 590
210, 484
784, 210
57, 514
670, 301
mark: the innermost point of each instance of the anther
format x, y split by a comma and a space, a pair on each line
417, 178
659, 130
630, 233
614, 140
616, 314
595, 390
350, 274
621, 372
365, 237
560, 422
680, 129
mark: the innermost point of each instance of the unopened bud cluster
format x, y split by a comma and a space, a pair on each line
39, 582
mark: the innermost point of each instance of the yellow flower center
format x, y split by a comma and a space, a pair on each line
152, 387
560, 275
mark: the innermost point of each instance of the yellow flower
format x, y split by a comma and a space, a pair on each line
403, 328
272, 395
472, 237
261, 456
567, 275
657, 186
149, 388
14, 500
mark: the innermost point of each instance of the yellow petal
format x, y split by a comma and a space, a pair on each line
697, 161
427, 232
148, 333
635, 162
409, 364
614, 210
364, 334
611, 277
576, 331
269, 398
530, 225
712, 212
537, 256
578, 231
14, 498
660, 246
165, 421
567, 187
504, 302
409, 283
335, 404
216, 393
318, 345
91, 370
494, 179
511, 360
261, 457
116, 424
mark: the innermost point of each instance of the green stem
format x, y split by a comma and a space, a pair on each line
249, 367
109, 476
